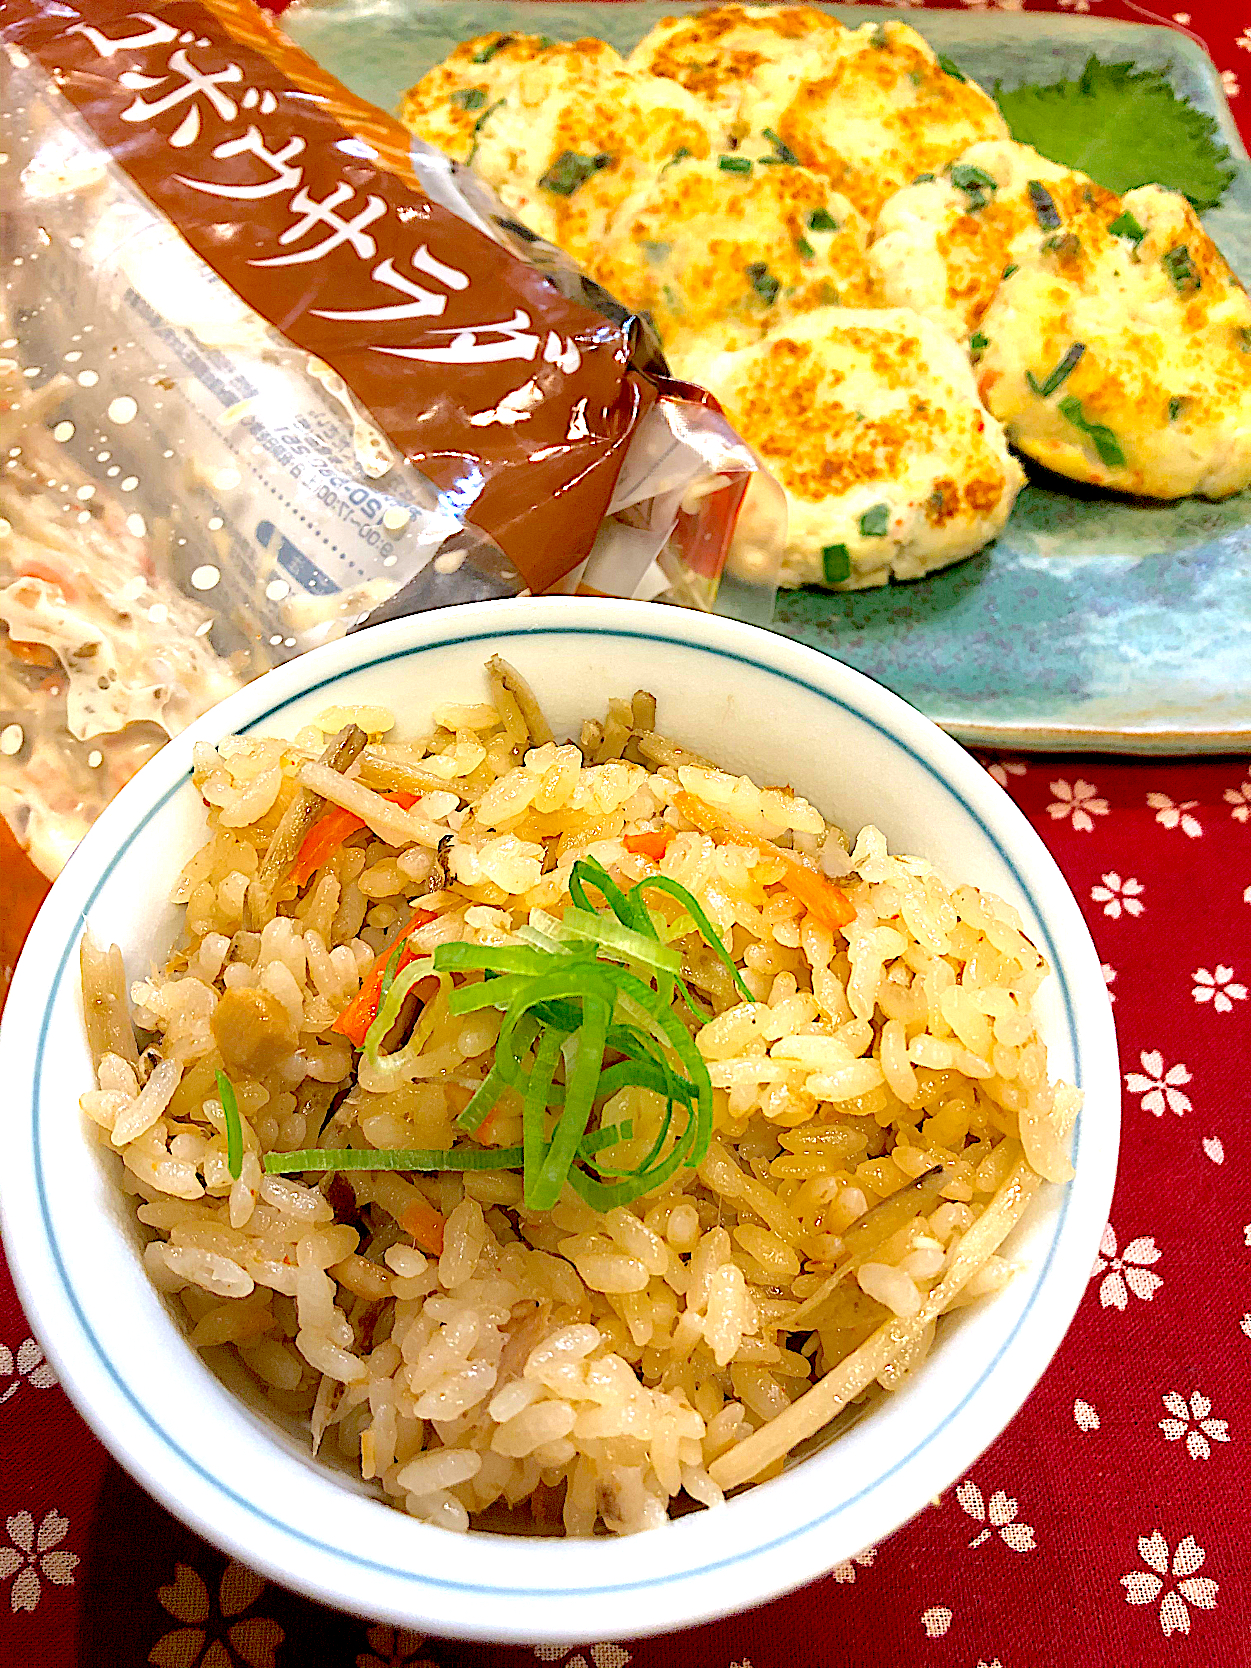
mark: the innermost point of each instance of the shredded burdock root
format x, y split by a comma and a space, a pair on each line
295, 822
578, 1129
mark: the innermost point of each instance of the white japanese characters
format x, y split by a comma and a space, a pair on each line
209, 94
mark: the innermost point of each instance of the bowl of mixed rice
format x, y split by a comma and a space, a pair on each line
556, 1070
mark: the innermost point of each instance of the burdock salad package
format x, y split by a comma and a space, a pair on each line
271, 369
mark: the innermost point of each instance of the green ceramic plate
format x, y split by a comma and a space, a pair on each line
1091, 623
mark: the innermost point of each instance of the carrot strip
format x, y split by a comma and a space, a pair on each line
819, 896
817, 893
424, 1223
362, 1010
649, 843
32, 568
329, 832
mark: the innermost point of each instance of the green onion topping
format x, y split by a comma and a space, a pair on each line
835, 563
572, 169
874, 522
948, 68
1067, 245
821, 220
923, 179
976, 184
806, 251
655, 252
734, 164
781, 150
978, 345
1101, 437
1060, 374
763, 282
1126, 226
579, 987
486, 53
234, 1125
1176, 406
681, 152
1007, 272
1045, 211
1181, 269
1244, 338
469, 98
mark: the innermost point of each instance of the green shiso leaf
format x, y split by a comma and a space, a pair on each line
1124, 127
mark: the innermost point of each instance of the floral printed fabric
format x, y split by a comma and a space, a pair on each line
1110, 1524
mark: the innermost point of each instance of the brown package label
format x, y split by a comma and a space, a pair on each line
491, 383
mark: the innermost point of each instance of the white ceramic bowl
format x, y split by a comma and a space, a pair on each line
760, 705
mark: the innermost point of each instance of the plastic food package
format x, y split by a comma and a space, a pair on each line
271, 370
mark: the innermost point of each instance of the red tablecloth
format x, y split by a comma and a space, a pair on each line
1109, 1527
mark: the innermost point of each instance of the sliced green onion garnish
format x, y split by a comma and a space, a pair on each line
389, 1006
1059, 374
709, 934
805, 250
486, 53
393, 1158
1181, 269
234, 1125
763, 282
948, 67
469, 98
835, 563
1100, 436
874, 522
734, 164
1043, 204
572, 169
821, 220
621, 941
1126, 226
781, 150
565, 1000
977, 345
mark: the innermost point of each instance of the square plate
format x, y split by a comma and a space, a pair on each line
1092, 622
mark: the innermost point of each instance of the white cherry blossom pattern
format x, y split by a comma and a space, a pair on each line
1109, 979
1246, 1234
393, 1647
1003, 768
1239, 800
1118, 897
1244, 1325
1146, 1586
999, 1516
936, 1620
215, 1640
1170, 815
34, 1553
27, 1366
1214, 1148
1229, 81
1159, 1087
1079, 803
1084, 1416
606, 1655
1126, 1271
1246, 896
1217, 987
846, 1571
993, 1663
1192, 1420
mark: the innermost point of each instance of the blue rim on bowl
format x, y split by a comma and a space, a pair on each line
380, 1563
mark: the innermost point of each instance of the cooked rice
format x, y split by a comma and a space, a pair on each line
882, 1114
